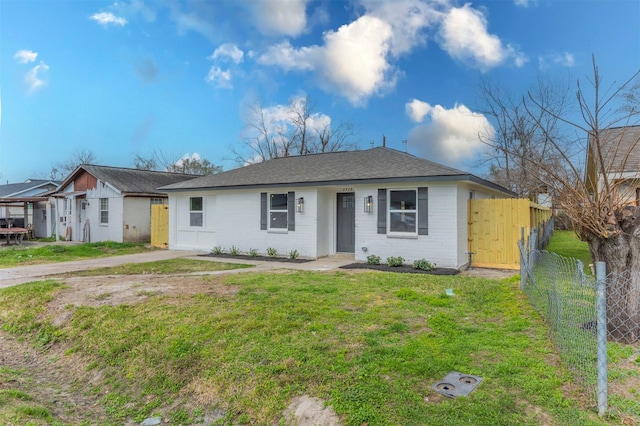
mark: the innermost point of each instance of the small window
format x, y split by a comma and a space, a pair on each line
403, 211
158, 201
278, 211
195, 211
104, 211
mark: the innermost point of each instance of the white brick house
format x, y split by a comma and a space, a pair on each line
378, 201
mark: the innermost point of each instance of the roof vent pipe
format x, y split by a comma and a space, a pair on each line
384, 141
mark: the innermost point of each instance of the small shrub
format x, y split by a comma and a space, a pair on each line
424, 265
395, 261
293, 254
217, 250
234, 251
372, 259
271, 252
253, 252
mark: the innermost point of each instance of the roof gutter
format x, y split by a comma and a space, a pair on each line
466, 177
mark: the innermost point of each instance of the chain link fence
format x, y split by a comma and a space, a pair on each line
584, 312
573, 303
559, 289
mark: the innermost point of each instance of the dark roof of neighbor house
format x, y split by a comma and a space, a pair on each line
130, 181
14, 189
621, 148
379, 164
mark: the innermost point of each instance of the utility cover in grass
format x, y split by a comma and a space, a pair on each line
457, 384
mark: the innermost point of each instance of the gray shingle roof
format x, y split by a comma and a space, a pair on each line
373, 165
132, 181
13, 189
621, 148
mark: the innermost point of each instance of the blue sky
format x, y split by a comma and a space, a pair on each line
178, 77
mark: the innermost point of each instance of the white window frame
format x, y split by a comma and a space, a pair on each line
104, 208
196, 213
402, 211
271, 210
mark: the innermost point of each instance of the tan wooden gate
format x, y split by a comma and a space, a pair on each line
160, 225
495, 226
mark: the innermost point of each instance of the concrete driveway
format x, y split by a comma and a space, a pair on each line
23, 274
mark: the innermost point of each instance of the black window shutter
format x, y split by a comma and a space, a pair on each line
263, 210
423, 211
382, 211
291, 213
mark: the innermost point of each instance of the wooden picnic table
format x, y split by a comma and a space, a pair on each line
18, 232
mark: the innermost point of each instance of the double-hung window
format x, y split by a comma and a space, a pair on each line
195, 211
278, 211
403, 211
104, 211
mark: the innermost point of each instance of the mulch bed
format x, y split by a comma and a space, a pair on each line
263, 258
401, 269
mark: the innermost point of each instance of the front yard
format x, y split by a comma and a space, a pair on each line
239, 349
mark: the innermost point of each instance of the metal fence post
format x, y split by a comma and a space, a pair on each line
601, 300
523, 260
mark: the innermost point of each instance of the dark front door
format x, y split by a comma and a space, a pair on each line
346, 222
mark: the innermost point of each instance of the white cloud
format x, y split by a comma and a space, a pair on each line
523, 3
108, 18
219, 78
408, 20
357, 60
228, 51
281, 17
197, 16
33, 78
451, 135
25, 56
465, 37
417, 110
564, 59
288, 57
352, 62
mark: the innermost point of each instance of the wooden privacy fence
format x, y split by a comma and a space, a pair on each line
160, 225
495, 226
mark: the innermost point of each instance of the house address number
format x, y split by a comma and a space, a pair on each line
347, 189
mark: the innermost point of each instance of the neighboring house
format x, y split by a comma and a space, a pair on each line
26, 203
374, 202
101, 203
620, 153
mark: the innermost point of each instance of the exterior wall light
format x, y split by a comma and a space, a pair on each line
300, 205
368, 204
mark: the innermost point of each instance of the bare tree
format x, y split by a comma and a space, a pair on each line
295, 129
141, 162
600, 197
520, 142
61, 169
188, 164
194, 166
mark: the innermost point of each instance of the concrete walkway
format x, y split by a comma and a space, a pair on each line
23, 274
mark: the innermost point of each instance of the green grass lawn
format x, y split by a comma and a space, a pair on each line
169, 266
52, 253
567, 244
369, 344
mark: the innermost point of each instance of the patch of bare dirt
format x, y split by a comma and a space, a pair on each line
309, 411
52, 378
129, 289
490, 273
